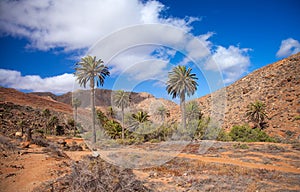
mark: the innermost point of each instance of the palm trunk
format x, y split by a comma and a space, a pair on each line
75, 121
93, 109
123, 123
182, 105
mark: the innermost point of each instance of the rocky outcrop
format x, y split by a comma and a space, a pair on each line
277, 85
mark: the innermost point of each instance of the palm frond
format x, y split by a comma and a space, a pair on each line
89, 67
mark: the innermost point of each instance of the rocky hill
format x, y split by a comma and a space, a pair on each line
32, 100
103, 99
277, 85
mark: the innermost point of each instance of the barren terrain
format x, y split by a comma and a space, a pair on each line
225, 166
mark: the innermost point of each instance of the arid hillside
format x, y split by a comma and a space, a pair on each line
277, 85
103, 99
35, 101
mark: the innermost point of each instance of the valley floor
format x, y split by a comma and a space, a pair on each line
225, 166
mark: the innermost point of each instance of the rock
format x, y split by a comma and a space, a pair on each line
95, 154
25, 144
62, 142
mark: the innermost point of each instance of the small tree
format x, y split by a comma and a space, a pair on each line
76, 103
110, 112
72, 124
162, 111
193, 111
122, 100
256, 112
46, 114
21, 124
141, 117
53, 122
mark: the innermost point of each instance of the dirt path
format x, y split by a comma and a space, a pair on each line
31, 167
231, 161
25, 172
132, 154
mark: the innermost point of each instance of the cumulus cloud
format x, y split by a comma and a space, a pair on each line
232, 62
77, 24
57, 84
110, 30
288, 47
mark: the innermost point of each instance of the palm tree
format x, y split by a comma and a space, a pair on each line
162, 112
141, 117
91, 69
256, 112
193, 111
181, 82
76, 103
122, 100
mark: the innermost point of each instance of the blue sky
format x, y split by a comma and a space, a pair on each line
42, 40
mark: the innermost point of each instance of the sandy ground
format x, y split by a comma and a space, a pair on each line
28, 168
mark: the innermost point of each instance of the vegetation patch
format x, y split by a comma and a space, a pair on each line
246, 134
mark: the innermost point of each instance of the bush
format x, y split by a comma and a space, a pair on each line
240, 146
223, 136
297, 117
246, 134
113, 129
94, 174
208, 129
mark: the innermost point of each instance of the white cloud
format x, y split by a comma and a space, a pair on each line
199, 47
232, 62
288, 47
156, 70
77, 24
57, 84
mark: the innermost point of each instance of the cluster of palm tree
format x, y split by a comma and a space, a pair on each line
181, 83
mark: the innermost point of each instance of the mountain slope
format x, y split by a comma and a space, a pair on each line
103, 99
35, 101
277, 85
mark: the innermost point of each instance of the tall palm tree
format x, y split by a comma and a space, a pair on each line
193, 111
90, 69
181, 82
256, 112
122, 100
76, 103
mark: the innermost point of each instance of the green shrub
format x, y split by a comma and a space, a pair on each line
240, 146
113, 129
246, 134
223, 136
129, 141
154, 141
